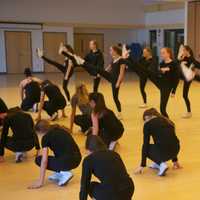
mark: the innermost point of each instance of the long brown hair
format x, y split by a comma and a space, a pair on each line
82, 94
44, 126
189, 50
95, 143
99, 100
154, 112
149, 50
117, 49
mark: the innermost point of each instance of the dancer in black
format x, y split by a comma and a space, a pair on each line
95, 58
114, 73
3, 109
150, 63
104, 122
23, 139
115, 183
67, 68
66, 157
166, 144
165, 78
30, 91
81, 100
56, 101
186, 58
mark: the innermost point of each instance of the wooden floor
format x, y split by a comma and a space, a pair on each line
183, 184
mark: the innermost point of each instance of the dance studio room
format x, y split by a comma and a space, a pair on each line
99, 100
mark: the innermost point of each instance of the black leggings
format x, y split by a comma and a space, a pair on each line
84, 121
96, 84
175, 86
106, 192
143, 81
19, 146
165, 91
156, 155
164, 98
65, 88
186, 88
53, 106
60, 164
115, 91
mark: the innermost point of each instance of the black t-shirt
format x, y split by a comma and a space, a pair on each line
163, 135
32, 90
115, 68
60, 142
95, 58
53, 92
150, 65
110, 124
108, 167
22, 127
170, 76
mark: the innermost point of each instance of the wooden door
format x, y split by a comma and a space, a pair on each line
81, 42
51, 46
18, 51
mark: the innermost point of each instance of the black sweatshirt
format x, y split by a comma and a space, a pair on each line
95, 58
61, 143
169, 77
53, 92
163, 135
108, 167
22, 126
143, 66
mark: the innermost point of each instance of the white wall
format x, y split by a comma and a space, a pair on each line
169, 17
37, 42
82, 12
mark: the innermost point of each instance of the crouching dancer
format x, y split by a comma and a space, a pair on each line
66, 157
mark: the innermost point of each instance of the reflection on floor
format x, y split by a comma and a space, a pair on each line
182, 184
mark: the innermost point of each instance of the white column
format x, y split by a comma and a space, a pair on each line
2, 52
186, 23
37, 42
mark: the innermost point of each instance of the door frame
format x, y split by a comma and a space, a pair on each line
31, 52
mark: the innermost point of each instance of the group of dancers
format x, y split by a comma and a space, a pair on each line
102, 127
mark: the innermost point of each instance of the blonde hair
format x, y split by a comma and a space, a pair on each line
82, 94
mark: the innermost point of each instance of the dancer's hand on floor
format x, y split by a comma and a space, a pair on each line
1, 159
176, 165
139, 170
36, 185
